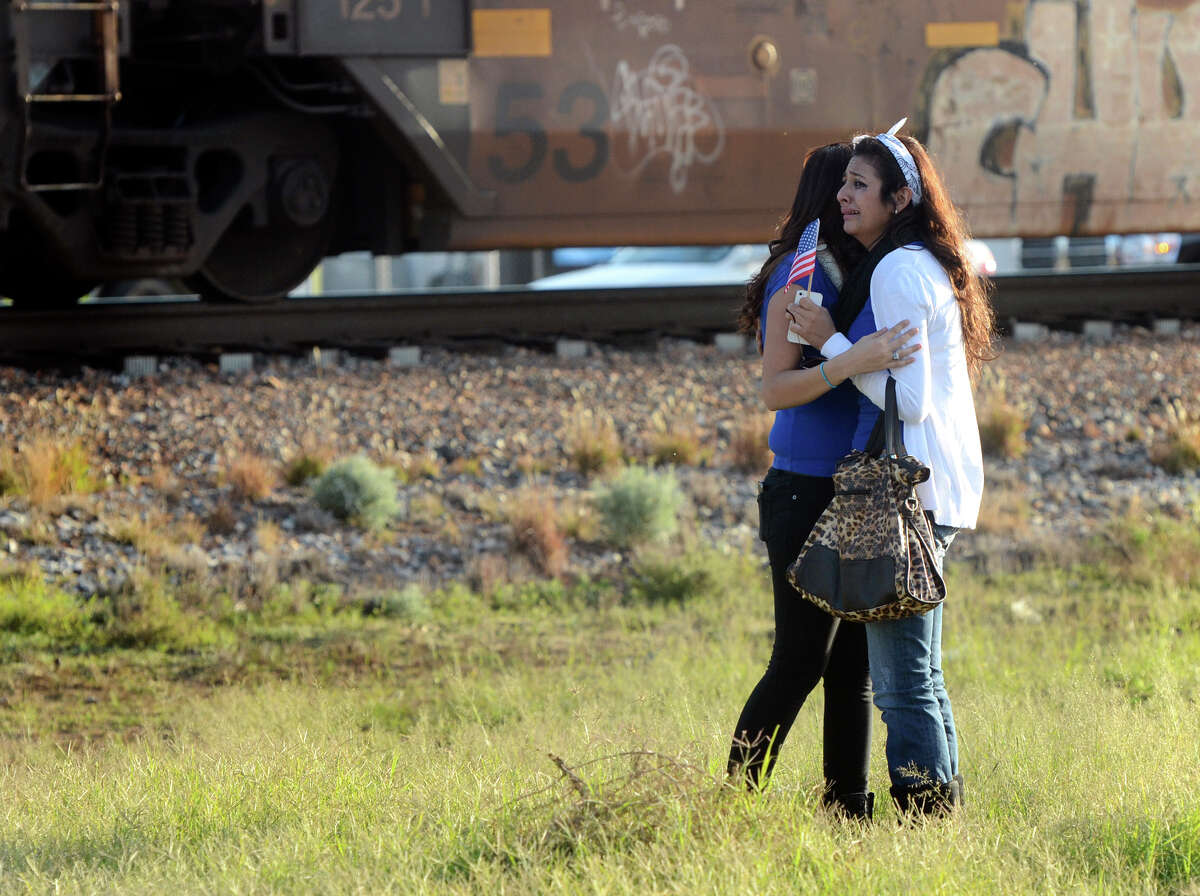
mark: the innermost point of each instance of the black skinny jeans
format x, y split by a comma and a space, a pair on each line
809, 644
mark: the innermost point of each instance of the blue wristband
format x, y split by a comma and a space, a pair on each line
821, 368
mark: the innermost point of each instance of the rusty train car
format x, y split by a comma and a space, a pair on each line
235, 143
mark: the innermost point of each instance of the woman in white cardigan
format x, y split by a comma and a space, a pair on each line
917, 269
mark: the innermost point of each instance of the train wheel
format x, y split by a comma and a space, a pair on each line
263, 264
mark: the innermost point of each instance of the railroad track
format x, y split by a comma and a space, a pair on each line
181, 325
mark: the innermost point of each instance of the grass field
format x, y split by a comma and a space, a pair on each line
571, 738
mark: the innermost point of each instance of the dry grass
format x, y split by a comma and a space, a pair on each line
679, 445
309, 460
222, 520
251, 476
1002, 424
466, 466
1179, 452
410, 467
1005, 509
160, 539
592, 442
537, 532
748, 449
578, 518
44, 467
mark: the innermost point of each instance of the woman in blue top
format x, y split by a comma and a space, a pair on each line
917, 269
814, 423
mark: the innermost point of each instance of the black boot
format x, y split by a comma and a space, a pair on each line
935, 800
846, 806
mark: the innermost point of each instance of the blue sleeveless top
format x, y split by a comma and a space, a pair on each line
866, 412
811, 438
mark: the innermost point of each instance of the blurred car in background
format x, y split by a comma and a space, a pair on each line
1148, 248
985, 260
664, 266
691, 265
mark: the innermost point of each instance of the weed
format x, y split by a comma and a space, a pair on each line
1002, 425
592, 442
144, 615
1005, 509
408, 604
665, 581
44, 615
680, 446
537, 532
466, 466
1179, 452
45, 467
411, 467
302, 468
426, 508
1002, 430
222, 520
251, 477
268, 536
578, 519
639, 506
748, 448
357, 490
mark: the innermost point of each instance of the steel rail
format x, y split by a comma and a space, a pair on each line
182, 325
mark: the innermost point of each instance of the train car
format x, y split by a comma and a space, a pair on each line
236, 143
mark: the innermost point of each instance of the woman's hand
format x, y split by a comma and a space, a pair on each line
882, 350
809, 321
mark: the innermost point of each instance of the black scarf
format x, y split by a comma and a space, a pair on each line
857, 289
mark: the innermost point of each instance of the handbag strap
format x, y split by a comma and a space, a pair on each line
888, 434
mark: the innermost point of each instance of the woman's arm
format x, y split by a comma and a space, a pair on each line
783, 386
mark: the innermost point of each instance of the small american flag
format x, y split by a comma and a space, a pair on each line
806, 253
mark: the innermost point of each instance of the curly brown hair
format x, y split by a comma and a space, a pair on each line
938, 224
816, 197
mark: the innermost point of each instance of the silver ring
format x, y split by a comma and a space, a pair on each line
895, 356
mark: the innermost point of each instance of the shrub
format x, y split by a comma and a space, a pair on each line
639, 506
357, 490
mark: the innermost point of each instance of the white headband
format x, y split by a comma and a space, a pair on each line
908, 165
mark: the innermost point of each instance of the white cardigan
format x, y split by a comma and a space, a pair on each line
933, 395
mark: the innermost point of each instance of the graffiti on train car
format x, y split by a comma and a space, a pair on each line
643, 24
1081, 125
663, 114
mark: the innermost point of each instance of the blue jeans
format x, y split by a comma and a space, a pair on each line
910, 693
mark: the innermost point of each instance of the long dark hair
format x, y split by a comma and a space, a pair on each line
937, 223
816, 197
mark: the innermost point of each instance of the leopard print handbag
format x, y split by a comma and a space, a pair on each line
871, 555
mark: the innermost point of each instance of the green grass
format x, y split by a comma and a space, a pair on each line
571, 738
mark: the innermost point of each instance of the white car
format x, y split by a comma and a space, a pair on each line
664, 266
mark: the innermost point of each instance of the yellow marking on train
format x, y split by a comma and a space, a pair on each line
511, 32
454, 86
962, 34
